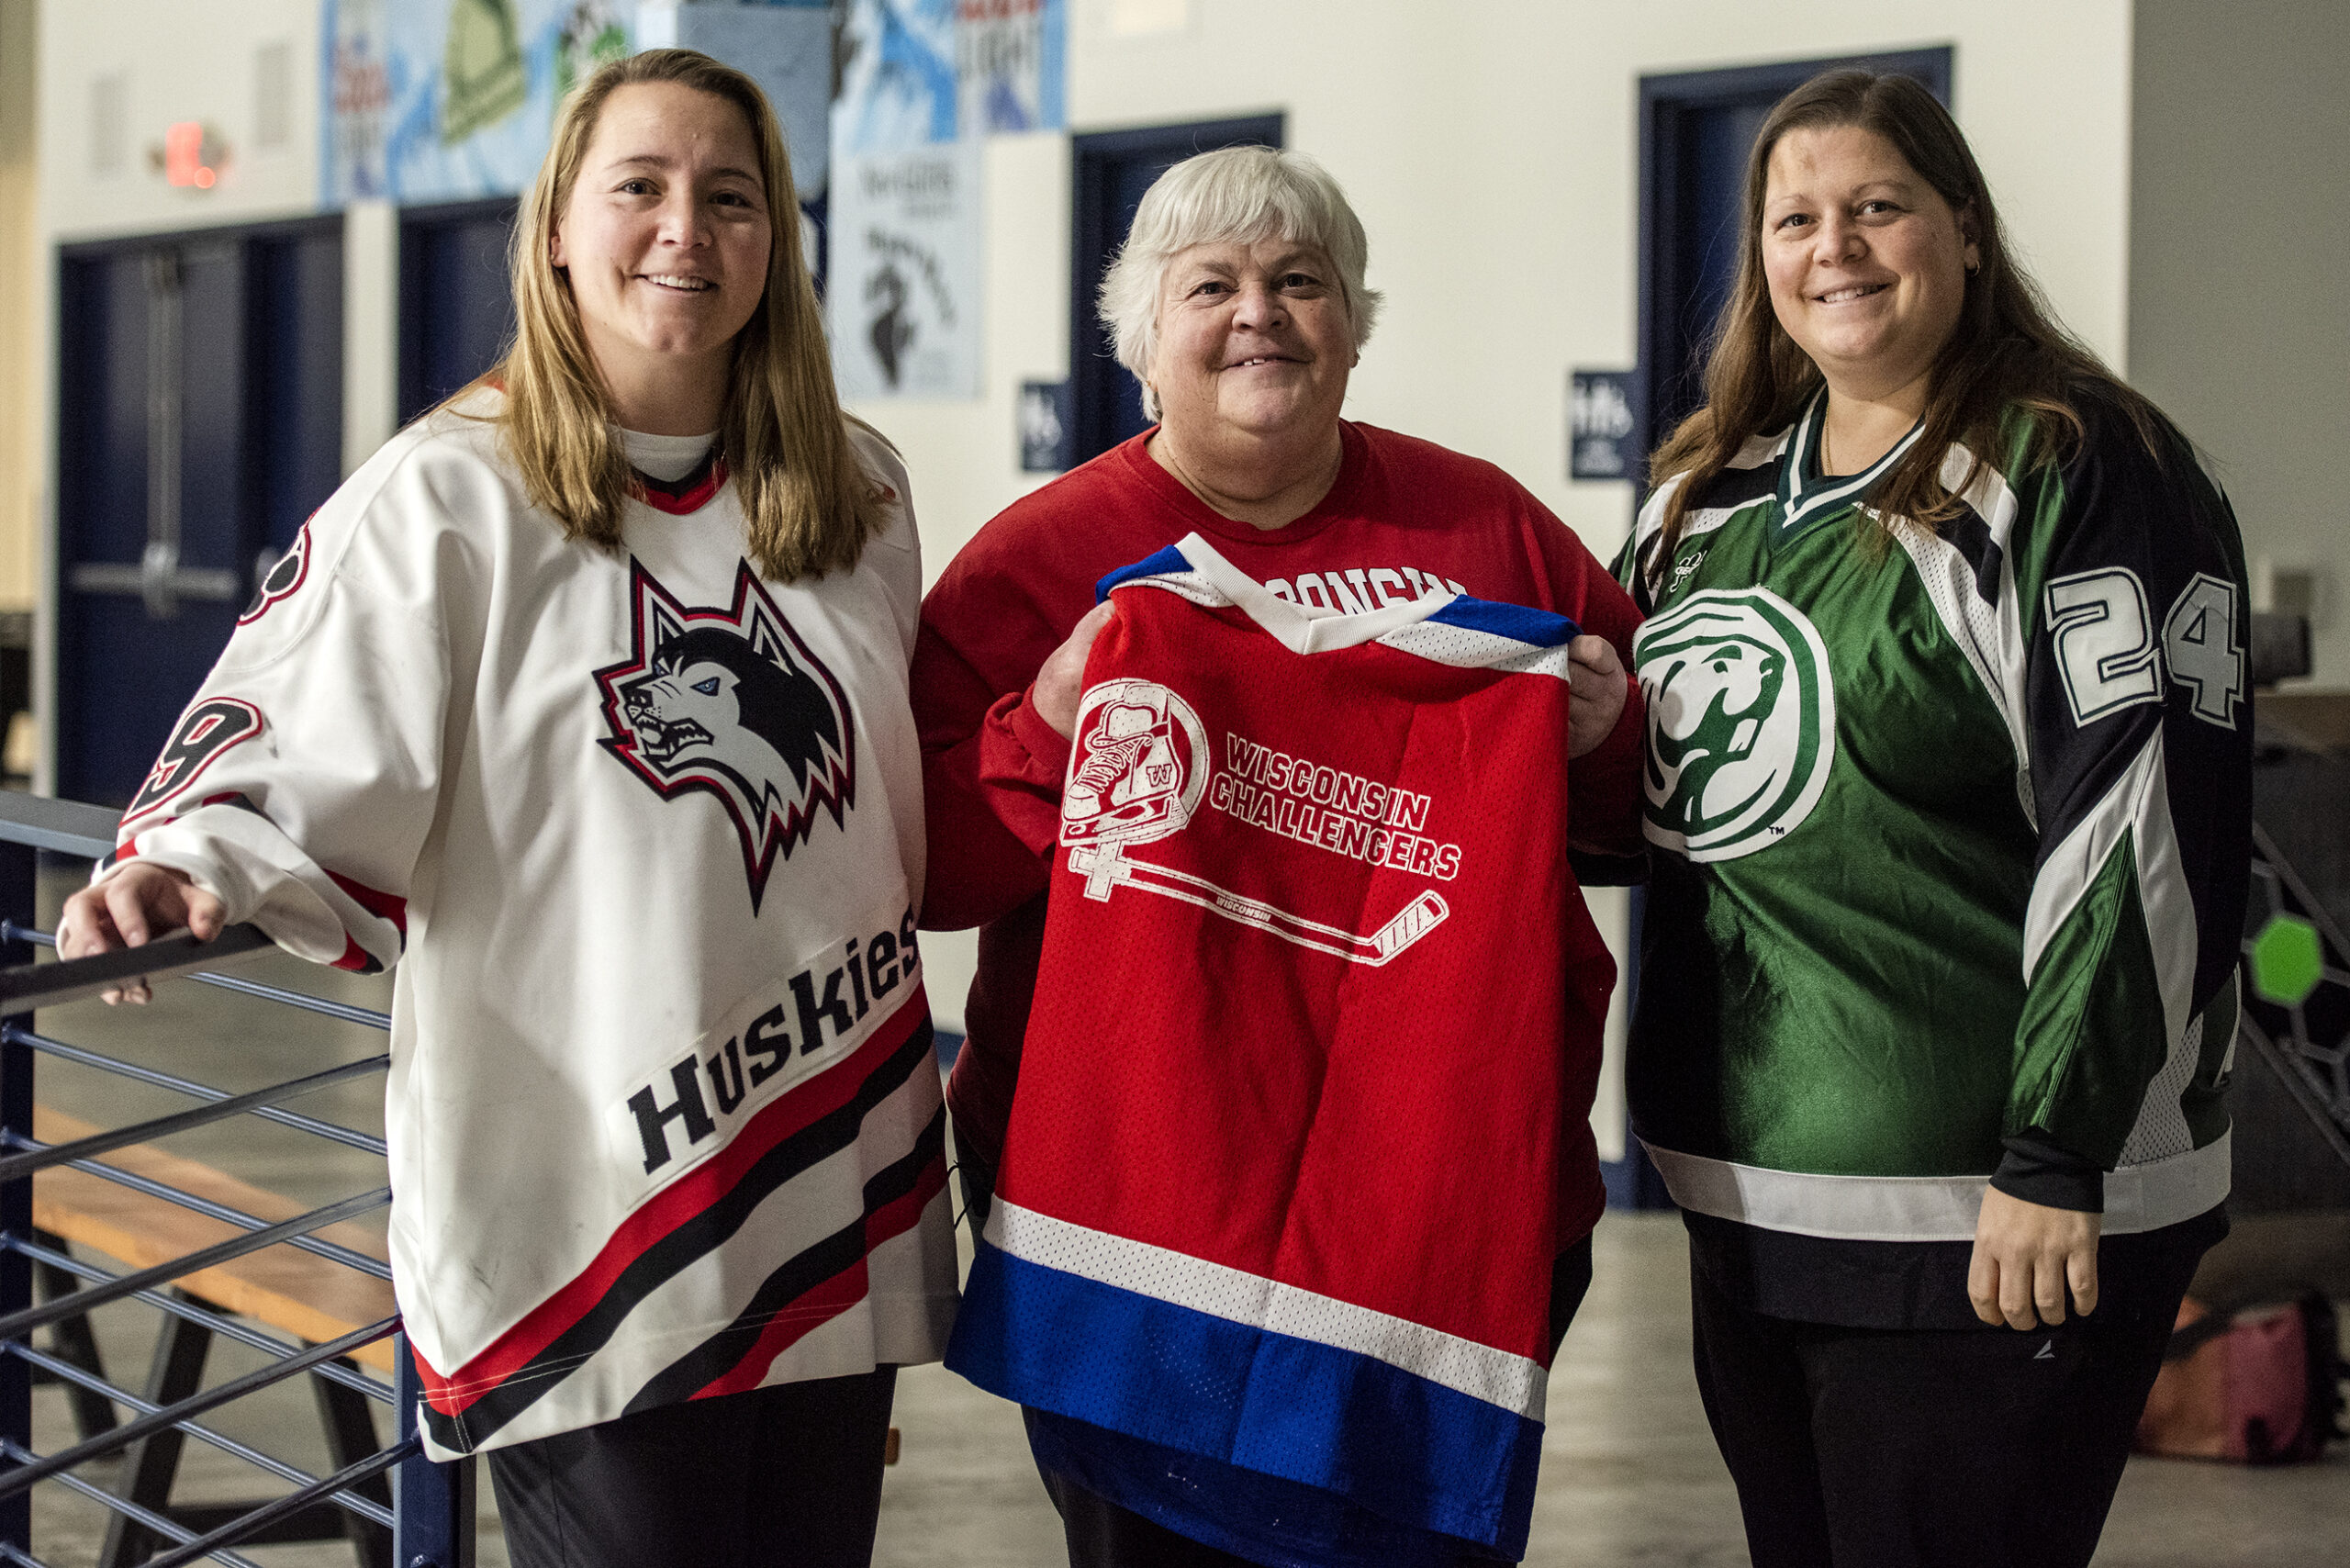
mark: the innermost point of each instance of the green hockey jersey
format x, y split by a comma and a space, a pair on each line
1952, 836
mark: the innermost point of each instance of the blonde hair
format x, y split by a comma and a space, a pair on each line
1234, 194
808, 505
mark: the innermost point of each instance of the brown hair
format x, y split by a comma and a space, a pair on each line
807, 504
2008, 351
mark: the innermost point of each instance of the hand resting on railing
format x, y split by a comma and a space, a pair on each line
130, 909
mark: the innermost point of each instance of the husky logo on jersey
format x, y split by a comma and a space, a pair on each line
1136, 772
1741, 722
732, 702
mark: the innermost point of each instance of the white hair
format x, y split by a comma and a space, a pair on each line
1235, 195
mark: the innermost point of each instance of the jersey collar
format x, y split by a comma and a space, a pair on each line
1300, 628
680, 497
1806, 495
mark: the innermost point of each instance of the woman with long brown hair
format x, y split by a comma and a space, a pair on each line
584, 702
1948, 781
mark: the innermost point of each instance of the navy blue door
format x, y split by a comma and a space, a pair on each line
1112, 172
1697, 130
457, 298
200, 397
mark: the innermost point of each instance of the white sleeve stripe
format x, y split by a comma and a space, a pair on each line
2138, 1196
2137, 808
1991, 636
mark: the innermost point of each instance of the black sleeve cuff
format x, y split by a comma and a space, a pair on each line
2038, 1170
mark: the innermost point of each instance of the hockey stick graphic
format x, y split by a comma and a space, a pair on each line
1105, 868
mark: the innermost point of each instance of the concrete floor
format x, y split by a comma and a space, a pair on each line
1631, 1475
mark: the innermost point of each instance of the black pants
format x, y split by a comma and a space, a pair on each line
782, 1477
1101, 1534
1873, 1447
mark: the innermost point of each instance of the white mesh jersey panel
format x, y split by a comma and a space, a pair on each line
1464, 647
2161, 1130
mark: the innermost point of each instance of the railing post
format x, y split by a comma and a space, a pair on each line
18, 866
433, 1503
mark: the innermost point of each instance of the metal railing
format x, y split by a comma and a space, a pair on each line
430, 1520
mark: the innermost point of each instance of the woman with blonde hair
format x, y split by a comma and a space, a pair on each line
1949, 785
586, 697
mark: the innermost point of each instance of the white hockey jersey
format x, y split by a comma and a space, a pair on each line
663, 1116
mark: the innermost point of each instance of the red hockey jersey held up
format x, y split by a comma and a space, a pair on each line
1308, 1043
1404, 518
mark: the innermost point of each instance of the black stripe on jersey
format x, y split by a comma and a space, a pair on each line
718, 1355
1738, 486
2163, 524
675, 1252
1971, 537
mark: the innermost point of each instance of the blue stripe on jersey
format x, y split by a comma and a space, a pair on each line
1415, 1451
1540, 628
1166, 563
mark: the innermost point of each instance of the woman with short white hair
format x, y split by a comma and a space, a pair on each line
1240, 302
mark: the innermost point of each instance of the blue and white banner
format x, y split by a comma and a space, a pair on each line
915, 73
1012, 65
445, 100
898, 88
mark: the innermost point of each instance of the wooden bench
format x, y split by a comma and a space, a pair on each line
296, 1293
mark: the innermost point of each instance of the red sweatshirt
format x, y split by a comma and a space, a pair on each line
1405, 517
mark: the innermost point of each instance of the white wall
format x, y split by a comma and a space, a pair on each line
175, 62
2240, 268
1491, 150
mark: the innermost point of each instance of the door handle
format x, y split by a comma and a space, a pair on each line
159, 579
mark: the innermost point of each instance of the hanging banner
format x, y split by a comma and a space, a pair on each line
1010, 65
903, 295
897, 82
787, 50
445, 100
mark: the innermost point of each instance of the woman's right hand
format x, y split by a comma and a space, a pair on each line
1061, 682
130, 909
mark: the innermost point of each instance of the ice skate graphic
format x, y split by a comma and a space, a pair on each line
1136, 774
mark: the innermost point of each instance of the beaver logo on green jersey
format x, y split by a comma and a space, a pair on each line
1741, 722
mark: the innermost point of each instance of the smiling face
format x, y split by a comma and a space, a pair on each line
1866, 263
666, 240
1254, 339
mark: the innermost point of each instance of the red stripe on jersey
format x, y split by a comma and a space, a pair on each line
900, 1214
672, 1206
788, 1326
836, 1295
382, 905
355, 958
